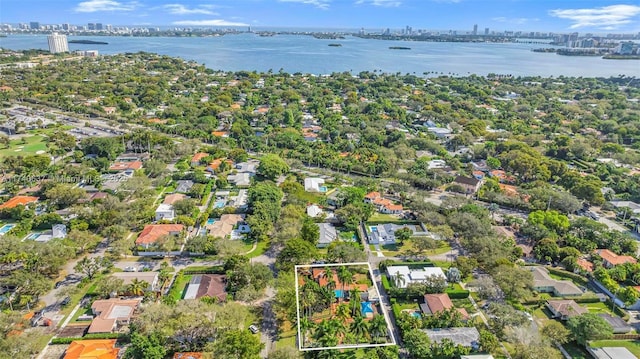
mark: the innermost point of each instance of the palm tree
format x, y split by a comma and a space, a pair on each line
354, 301
305, 326
399, 280
345, 277
360, 327
342, 312
378, 327
308, 299
137, 287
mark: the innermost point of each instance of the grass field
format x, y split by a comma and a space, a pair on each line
31, 145
407, 247
632, 345
382, 217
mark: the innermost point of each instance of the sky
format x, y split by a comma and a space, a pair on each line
596, 16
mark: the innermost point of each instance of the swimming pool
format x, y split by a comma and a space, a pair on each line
416, 314
322, 189
6, 228
34, 235
338, 293
219, 204
374, 229
210, 221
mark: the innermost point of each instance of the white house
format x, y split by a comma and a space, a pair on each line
314, 210
165, 212
407, 276
313, 184
58, 231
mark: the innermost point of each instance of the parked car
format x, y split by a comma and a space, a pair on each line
253, 329
65, 301
59, 284
130, 269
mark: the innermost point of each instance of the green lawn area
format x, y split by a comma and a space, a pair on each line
18, 147
393, 250
287, 338
310, 197
179, 286
599, 308
464, 303
80, 312
260, 249
383, 217
576, 351
632, 345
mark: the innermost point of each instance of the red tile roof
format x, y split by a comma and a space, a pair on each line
373, 195
92, 349
198, 156
152, 232
123, 166
187, 355
18, 200
212, 285
613, 258
441, 302
585, 264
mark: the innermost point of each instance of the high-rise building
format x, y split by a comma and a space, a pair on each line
99, 26
66, 27
475, 29
486, 31
58, 43
34, 25
91, 26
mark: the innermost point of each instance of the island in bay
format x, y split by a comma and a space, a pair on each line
88, 42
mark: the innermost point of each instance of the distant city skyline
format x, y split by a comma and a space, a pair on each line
594, 16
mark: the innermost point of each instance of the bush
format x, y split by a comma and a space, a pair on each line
571, 276
585, 299
457, 293
123, 338
385, 282
203, 270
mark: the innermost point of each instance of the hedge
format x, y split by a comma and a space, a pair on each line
120, 337
457, 293
585, 299
385, 282
203, 270
575, 277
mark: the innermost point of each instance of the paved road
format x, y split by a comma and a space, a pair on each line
269, 327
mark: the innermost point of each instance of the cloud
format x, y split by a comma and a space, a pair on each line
381, 3
213, 22
606, 18
105, 5
320, 4
179, 9
514, 20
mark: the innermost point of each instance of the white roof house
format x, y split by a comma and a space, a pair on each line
413, 275
328, 234
58, 231
165, 211
314, 210
313, 184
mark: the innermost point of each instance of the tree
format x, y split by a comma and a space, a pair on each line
488, 341
137, 287
110, 285
589, 326
310, 231
92, 266
345, 277
63, 195
466, 265
514, 281
417, 343
345, 252
453, 275
296, 251
154, 168
422, 244
403, 234
272, 166
555, 332
237, 344
184, 207
360, 327
146, 346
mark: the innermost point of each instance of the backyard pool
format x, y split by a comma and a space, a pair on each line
338, 293
6, 228
373, 229
33, 236
219, 204
323, 189
210, 221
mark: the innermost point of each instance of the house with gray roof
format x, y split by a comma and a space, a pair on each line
618, 324
542, 282
328, 234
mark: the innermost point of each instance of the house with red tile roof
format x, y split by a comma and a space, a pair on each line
207, 285
188, 355
611, 259
383, 205
436, 303
125, 166
215, 164
220, 133
153, 232
585, 264
195, 160
18, 201
92, 349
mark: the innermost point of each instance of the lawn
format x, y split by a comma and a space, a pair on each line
394, 250
287, 338
260, 249
80, 312
31, 145
599, 308
632, 345
179, 286
383, 217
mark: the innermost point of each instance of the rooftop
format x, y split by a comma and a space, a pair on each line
173, 198
17, 201
613, 258
152, 232
541, 278
109, 311
465, 336
92, 349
